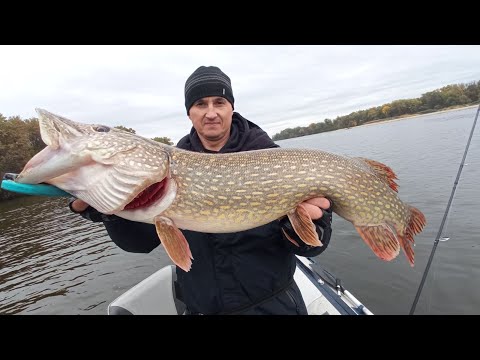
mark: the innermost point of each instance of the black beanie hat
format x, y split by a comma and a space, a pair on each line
207, 81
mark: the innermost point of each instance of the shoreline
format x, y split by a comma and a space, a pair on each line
378, 122
414, 116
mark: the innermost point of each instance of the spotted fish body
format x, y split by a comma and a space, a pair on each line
142, 180
238, 191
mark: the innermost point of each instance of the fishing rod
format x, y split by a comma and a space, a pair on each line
440, 230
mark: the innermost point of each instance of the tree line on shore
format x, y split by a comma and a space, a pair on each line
440, 99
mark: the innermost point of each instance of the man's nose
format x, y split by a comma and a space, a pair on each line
211, 112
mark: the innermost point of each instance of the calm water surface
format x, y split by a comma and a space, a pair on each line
55, 262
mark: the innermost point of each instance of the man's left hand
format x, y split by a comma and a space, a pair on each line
316, 206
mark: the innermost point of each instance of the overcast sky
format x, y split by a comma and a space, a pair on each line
274, 86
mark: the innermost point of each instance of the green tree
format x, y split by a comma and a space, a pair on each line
433, 99
121, 127
163, 139
472, 91
35, 140
328, 124
15, 147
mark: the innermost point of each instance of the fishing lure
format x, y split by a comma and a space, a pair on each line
8, 183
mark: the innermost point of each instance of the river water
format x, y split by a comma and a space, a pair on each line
55, 262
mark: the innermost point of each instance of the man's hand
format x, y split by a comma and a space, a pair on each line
315, 206
79, 205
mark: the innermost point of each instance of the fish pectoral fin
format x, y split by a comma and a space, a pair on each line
381, 239
303, 225
174, 242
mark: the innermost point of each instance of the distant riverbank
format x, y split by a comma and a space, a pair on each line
406, 117
291, 133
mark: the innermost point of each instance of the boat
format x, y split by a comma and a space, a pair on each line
155, 295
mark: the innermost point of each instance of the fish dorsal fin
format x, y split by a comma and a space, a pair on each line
383, 171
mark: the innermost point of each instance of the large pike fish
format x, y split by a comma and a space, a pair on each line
139, 179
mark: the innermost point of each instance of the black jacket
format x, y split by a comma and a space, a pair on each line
230, 272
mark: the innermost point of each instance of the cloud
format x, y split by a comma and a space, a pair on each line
274, 86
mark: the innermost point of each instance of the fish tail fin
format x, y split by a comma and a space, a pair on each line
383, 171
415, 225
381, 239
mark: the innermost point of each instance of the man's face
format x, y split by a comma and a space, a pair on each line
212, 117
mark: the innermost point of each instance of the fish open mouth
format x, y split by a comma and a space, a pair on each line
148, 196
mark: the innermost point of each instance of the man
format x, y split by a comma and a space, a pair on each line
249, 272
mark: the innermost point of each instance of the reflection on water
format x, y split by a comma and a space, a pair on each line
48, 254
55, 262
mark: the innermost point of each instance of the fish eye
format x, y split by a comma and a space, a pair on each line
101, 128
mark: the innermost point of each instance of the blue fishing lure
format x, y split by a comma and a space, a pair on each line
9, 184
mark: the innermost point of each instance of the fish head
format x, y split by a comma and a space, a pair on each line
108, 168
